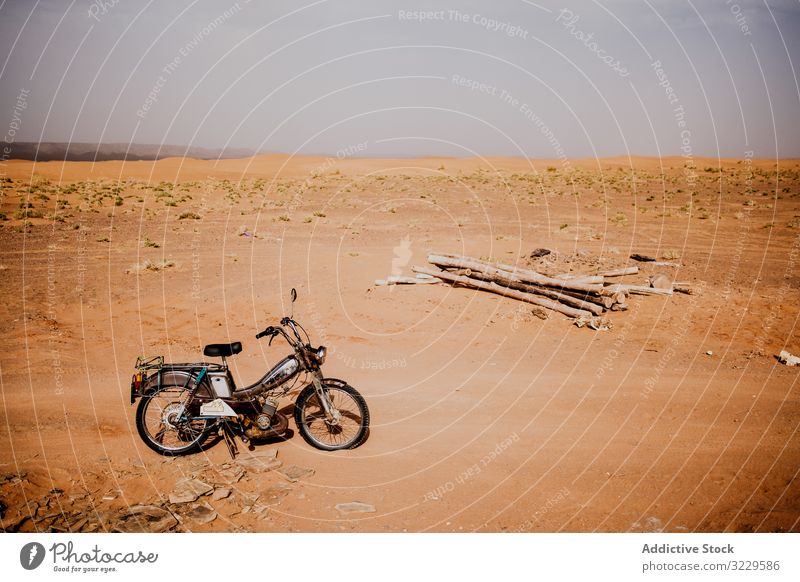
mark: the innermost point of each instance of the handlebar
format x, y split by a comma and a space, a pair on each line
272, 331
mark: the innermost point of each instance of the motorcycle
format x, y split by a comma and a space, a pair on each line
181, 405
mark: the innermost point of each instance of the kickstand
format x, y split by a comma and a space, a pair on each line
227, 435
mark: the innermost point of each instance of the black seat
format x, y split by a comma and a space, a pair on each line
222, 350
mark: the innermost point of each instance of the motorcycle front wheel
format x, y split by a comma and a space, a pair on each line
162, 427
348, 433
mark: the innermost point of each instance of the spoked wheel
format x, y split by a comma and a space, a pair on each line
345, 432
164, 428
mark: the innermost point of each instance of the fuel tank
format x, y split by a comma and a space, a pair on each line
283, 371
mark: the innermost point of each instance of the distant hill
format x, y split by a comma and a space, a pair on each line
83, 152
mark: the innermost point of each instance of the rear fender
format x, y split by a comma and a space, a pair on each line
182, 378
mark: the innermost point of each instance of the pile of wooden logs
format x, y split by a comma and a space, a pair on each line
579, 296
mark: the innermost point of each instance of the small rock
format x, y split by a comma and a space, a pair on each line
293, 473
259, 461
653, 524
537, 253
786, 358
139, 519
220, 493
276, 492
709, 353
188, 490
201, 514
355, 507
227, 476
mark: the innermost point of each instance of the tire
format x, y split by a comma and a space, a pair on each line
155, 427
312, 424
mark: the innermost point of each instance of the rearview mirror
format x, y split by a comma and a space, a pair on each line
294, 294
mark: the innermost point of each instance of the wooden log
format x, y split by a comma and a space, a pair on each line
505, 291
516, 274
596, 309
620, 272
638, 289
575, 278
602, 300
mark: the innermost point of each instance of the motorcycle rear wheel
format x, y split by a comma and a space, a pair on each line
161, 429
313, 425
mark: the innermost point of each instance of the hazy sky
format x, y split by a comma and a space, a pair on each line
539, 79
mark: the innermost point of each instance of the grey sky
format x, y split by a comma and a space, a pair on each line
320, 77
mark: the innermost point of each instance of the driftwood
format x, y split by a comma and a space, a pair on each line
506, 281
400, 280
638, 289
575, 278
606, 301
500, 290
620, 272
515, 274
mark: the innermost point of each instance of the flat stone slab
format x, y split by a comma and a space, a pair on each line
275, 493
259, 461
201, 514
144, 519
355, 507
220, 493
188, 490
293, 473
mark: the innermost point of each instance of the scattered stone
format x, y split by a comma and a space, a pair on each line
188, 490
293, 473
355, 507
276, 492
653, 524
201, 514
226, 476
139, 519
538, 253
259, 461
540, 312
786, 358
220, 493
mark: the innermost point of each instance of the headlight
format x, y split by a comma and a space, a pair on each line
321, 353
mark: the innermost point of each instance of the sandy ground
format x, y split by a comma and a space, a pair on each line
484, 417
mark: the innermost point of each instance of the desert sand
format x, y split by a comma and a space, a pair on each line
484, 417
